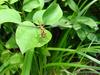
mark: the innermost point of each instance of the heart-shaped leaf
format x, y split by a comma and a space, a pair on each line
9, 15
29, 37
52, 14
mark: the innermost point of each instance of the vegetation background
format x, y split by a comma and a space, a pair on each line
49, 37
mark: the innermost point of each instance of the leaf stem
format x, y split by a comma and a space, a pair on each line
27, 62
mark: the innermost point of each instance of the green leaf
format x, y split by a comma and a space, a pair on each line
70, 65
89, 57
29, 16
10, 1
41, 3
64, 22
72, 5
44, 51
2, 1
5, 55
92, 37
52, 14
37, 17
10, 60
82, 35
29, 37
88, 21
98, 37
11, 43
16, 59
3, 66
77, 26
9, 15
1, 46
47, 1
4, 7
86, 32
29, 5
13, 1
34, 64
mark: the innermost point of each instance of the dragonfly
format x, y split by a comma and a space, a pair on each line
42, 29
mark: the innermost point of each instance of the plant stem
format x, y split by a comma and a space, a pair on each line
27, 62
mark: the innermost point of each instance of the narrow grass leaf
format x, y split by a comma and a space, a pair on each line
70, 65
89, 57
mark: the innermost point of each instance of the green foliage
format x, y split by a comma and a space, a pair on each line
88, 21
73, 5
9, 15
29, 5
36, 36
11, 43
47, 37
12, 1
52, 14
37, 17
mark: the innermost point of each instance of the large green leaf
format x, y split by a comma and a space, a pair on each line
4, 7
37, 17
52, 14
9, 15
88, 21
29, 5
29, 37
